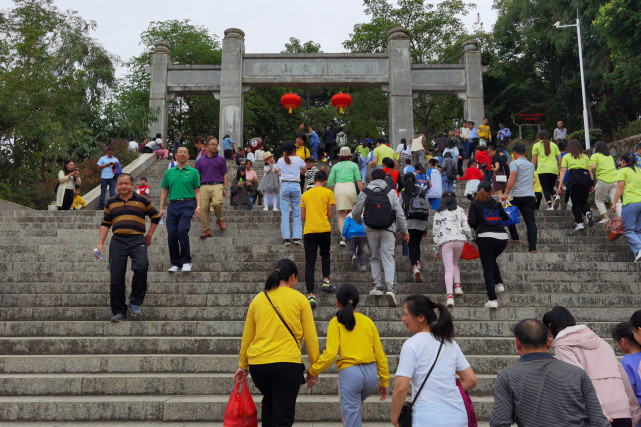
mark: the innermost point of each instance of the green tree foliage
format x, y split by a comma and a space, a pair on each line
53, 77
535, 67
436, 33
192, 114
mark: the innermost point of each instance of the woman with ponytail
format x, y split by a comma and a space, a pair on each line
361, 362
485, 217
290, 167
277, 321
629, 187
432, 346
547, 159
579, 183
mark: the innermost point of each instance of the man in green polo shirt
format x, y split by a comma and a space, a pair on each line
181, 185
380, 152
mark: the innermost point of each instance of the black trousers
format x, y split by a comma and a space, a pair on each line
122, 247
229, 154
312, 242
279, 384
579, 195
539, 197
621, 422
527, 206
330, 148
489, 250
415, 246
547, 181
67, 201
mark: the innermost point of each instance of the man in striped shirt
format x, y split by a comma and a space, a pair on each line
540, 390
125, 215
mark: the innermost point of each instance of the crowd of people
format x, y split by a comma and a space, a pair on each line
404, 186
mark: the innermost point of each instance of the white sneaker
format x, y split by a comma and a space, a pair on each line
342, 243
556, 199
377, 292
579, 227
551, 208
604, 221
186, 267
492, 304
391, 299
458, 290
276, 210
174, 269
265, 208
638, 258
499, 288
354, 259
588, 219
450, 301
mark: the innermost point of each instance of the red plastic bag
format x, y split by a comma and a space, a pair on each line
470, 252
241, 410
614, 228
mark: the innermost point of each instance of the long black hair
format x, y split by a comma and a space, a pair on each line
442, 326
623, 330
630, 160
558, 319
404, 142
238, 175
64, 167
347, 296
285, 268
602, 148
448, 201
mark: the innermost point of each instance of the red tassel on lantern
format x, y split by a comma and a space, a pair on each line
341, 101
290, 101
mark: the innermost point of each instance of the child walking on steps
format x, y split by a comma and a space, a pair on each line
270, 184
361, 361
354, 233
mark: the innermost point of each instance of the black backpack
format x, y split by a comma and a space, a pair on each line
377, 211
450, 171
418, 208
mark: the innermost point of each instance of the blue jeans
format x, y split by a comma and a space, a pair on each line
363, 170
178, 225
111, 182
251, 203
631, 218
290, 197
447, 184
466, 149
315, 148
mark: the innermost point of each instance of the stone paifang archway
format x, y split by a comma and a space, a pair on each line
392, 71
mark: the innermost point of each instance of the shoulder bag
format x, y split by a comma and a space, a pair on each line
302, 374
405, 418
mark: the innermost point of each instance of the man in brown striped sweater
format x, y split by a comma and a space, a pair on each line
125, 214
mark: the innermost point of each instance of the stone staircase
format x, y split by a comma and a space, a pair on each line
62, 361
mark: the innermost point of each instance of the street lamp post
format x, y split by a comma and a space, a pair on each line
586, 122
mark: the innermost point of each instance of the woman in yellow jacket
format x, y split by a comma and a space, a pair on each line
277, 321
361, 362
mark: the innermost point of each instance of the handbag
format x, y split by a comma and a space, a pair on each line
405, 417
469, 406
241, 409
302, 374
614, 228
470, 252
501, 178
513, 213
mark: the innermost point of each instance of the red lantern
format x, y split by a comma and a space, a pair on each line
290, 101
341, 101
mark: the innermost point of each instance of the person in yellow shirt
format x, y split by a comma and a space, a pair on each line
316, 210
361, 361
629, 186
485, 132
78, 201
380, 152
538, 191
602, 164
580, 183
546, 156
302, 152
277, 321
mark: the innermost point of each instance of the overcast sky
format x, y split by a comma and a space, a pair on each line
268, 24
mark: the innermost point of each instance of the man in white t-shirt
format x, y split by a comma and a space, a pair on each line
133, 145
259, 154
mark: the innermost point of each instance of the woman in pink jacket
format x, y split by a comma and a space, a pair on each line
578, 345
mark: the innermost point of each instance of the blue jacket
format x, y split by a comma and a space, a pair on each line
313, 138
352, 229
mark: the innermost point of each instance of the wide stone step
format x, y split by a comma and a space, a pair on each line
183, 363
178, 301
322, 313
146, 328
309, 408
436, 285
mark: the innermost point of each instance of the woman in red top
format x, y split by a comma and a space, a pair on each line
388, 168
485, 162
